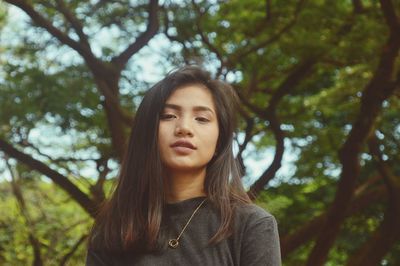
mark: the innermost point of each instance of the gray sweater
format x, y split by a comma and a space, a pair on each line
254, 240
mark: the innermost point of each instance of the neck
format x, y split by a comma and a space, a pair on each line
185, 185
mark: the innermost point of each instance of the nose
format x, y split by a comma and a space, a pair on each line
183, 128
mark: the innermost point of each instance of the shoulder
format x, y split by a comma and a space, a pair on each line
251, 213
251, 219
256, 235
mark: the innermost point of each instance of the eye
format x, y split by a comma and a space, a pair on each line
202, 119
167, 116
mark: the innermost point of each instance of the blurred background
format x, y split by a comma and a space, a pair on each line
319, 85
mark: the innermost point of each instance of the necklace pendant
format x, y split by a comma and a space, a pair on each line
173, 243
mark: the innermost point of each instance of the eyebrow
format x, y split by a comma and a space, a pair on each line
195, 108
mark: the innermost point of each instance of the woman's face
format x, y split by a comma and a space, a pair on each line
188, 129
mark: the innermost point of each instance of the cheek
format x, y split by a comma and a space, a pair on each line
213, 138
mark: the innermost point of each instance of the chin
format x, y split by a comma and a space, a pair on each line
185, 167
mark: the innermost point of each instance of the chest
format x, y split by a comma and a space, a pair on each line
194, 247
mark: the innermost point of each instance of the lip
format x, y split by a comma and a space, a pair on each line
183, 144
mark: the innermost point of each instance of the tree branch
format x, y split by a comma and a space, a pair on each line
47, 25
248, 135
313, 227
292, 80
152, 28
37, 256
389, 12
275, 37
357, 6
270, 172
388, 233
379, 89
76, 24
205, 39
83, 200
25, 143
268, 13
174, 38
106, 75
69, 254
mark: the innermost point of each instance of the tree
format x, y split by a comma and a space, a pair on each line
317, 81
61, 79
70, 24
310, 73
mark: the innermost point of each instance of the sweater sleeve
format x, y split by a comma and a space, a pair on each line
260, 244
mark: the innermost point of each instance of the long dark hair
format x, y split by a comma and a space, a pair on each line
131, 219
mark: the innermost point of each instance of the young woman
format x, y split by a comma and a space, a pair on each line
179, 198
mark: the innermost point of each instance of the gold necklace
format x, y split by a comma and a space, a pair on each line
173, 243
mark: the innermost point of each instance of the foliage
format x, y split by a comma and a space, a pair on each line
57, 222
304, 72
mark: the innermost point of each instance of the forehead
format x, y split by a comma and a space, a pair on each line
192, 95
